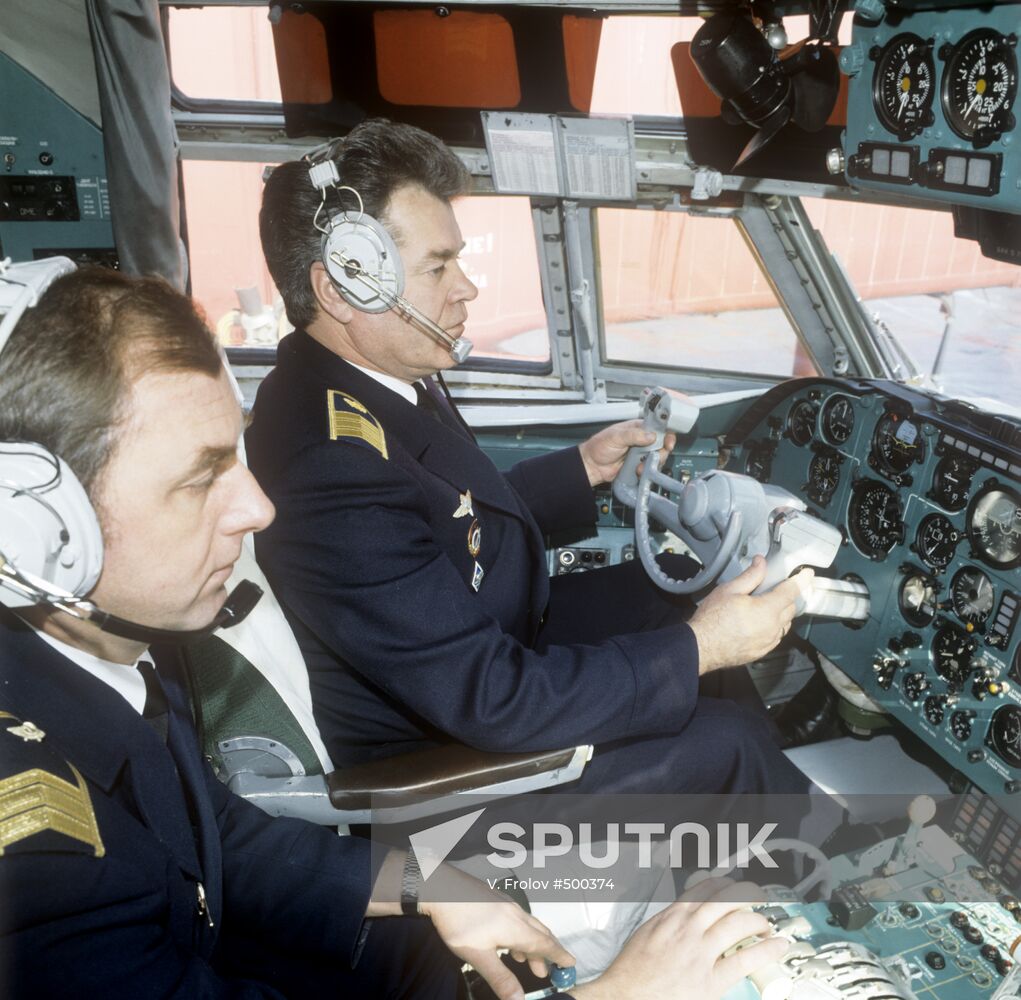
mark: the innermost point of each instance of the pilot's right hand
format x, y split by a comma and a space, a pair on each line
733, 627
676, 955
478, 929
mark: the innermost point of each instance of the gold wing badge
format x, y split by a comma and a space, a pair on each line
37, 800
349, 418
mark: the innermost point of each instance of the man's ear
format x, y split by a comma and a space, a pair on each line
328, 296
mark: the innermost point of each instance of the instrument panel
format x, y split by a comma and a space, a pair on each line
931, 105
927, 495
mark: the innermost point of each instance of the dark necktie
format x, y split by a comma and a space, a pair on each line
156, 710
432, 399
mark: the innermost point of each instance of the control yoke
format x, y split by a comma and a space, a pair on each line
726, 519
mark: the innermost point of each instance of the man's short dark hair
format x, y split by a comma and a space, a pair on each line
376, 158
67, 370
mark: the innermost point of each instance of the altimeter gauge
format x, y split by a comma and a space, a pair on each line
980, 85
972, 595
904, 85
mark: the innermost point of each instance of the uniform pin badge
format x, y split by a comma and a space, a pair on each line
465, 507
477, 577
29, 731
474, 539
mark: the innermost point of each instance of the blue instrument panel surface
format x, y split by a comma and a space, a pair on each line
927, 495
931, 104
53, 189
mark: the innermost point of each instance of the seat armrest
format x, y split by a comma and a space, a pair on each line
411, 786
435, 773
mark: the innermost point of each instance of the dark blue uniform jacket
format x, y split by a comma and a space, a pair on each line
103, 848
373, 555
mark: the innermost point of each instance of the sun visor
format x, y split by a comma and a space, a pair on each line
435, 67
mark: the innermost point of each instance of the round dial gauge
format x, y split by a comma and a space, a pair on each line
897, 444
759, 463
1005, 734
994, 526
823, 475
918, 600
837, 419
951, 655
936, 541
952, 481
874, 518
960, 724
980, 85
904, 85
972, 595
801, 422
935, 708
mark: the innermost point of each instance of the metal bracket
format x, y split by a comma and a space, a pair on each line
259, 755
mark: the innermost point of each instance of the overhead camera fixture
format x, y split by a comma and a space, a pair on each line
741, 67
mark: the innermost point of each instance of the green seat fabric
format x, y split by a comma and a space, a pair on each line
233, 699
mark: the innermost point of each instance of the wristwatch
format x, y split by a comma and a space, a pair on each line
411, 883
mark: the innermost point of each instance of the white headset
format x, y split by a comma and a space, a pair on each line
50, 542
362, 259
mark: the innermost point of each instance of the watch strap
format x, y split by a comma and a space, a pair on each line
411, 883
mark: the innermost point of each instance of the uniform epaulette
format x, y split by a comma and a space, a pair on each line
350, 419
41, 794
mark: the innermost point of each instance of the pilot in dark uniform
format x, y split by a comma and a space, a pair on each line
414, 575
127, 870
412, 571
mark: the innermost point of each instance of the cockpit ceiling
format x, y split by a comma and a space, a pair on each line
438, 67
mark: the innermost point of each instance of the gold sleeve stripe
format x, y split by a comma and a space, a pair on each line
361, 425
36, 800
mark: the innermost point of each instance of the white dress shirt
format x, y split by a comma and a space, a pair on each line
402, 388
124, 678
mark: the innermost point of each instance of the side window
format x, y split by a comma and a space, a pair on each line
230, 280
685, 291
223, 54
508, 319
914, 275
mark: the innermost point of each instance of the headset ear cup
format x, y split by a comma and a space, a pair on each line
49, 532
364, 242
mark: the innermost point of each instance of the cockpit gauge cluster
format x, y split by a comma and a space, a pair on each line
927, 495
931, 105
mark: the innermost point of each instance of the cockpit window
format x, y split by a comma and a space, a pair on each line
223, 54
633, 70
955, 312
685, 291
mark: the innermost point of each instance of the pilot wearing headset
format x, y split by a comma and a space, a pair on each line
126, 869
413, 570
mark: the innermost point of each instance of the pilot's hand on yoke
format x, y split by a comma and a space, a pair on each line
732, 627
604, 452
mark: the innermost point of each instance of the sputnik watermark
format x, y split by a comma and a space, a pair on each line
598, 846
734, 844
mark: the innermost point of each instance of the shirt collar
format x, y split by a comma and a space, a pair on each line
402, 388
124, 678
